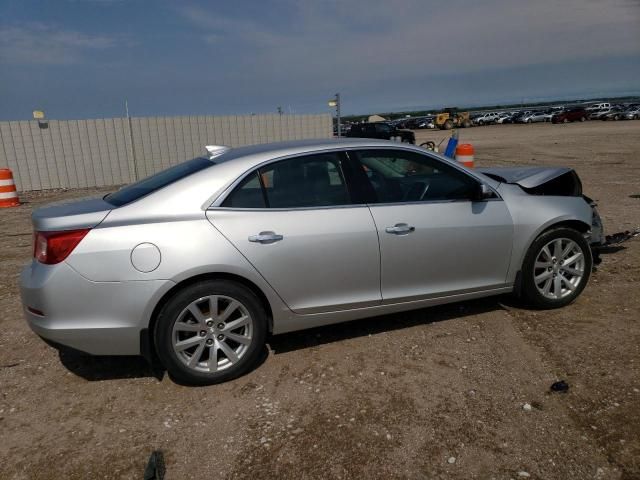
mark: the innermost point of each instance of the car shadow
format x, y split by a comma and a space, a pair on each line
373, 325
99, 368
103, 368
608, 250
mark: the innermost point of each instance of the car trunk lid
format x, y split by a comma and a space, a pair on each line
86, 213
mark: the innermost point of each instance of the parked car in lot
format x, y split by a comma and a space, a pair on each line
486, 118
518, 118
598, 114
198, 263
577, 114
615, 113
632, 113
426, 122
410, 123
536, 117
382, 131
505, 118
598, 106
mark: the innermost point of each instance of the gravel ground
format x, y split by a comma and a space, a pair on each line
460, 391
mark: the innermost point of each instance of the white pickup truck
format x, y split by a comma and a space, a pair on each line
598, 106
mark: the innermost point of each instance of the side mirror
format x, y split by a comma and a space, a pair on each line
482, 193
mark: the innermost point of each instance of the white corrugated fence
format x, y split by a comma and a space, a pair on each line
115, 151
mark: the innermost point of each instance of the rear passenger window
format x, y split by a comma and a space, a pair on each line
301, 182
247, 195
310, 181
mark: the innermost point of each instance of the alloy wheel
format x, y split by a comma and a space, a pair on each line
212, 333
559, 268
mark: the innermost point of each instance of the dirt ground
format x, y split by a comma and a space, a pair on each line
432, 394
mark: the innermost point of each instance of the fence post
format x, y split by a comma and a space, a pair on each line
133, 148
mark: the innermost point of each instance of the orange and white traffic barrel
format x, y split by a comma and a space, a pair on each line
464, 154
8, 193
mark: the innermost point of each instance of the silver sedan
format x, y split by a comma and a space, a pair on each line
197, 264
536, 117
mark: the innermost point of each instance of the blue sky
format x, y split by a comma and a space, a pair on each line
83, 58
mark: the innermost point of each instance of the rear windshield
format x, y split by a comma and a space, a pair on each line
137, 190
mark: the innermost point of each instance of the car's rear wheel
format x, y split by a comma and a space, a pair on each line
210, 332
556, 268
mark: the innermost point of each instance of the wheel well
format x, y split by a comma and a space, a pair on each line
582, 227
148, 332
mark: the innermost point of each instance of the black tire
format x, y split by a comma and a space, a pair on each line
582, 119
566, 120
163, 332
530, 292
448, 125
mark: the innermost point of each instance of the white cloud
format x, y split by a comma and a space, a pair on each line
413, 37
45, 44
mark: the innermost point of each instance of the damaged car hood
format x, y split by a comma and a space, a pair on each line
526, 177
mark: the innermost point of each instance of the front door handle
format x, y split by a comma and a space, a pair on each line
400, 229
266, 237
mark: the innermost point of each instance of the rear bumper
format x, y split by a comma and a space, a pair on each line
100, 318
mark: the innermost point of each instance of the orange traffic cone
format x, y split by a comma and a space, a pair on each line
8, 193
464, 154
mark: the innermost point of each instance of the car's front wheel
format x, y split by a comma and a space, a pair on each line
556, 268
210, 332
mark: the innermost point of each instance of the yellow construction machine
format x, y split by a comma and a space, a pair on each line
451, 118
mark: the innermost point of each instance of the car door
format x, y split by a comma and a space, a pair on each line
434, 239
297, 224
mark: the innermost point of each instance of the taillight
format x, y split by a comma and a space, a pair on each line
54, 247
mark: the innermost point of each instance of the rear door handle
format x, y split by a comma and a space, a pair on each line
265, 237
400, 229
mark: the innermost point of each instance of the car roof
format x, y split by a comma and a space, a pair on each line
295, 147
194, 193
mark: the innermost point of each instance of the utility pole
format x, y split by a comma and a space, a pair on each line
335, 102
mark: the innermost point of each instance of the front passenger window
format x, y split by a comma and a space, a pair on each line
403, 176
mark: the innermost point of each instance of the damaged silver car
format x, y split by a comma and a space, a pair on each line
197, 264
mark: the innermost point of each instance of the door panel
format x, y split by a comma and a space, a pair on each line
441, 248
327, 259
434, 239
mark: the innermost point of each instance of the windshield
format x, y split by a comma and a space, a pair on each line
137, 190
